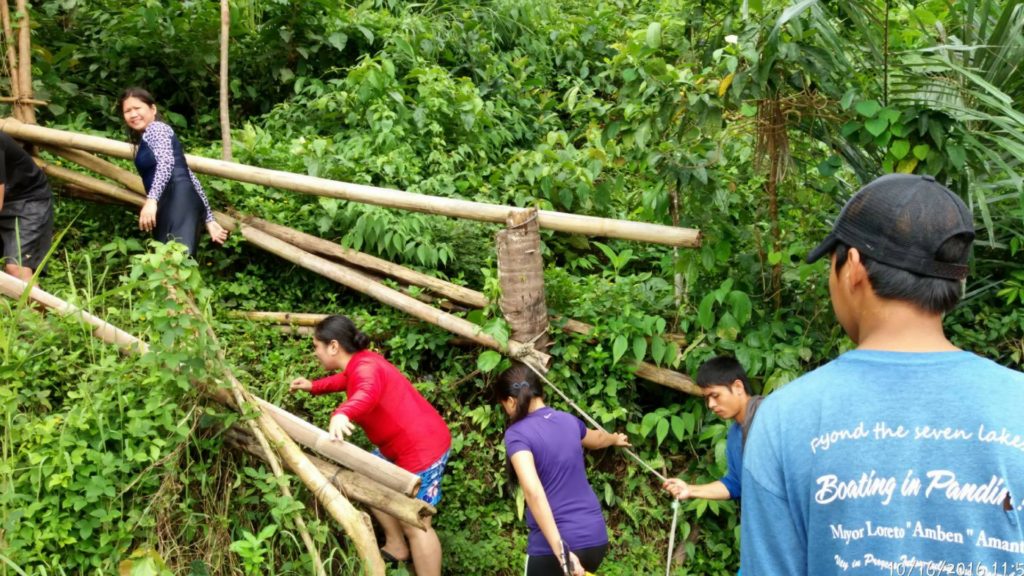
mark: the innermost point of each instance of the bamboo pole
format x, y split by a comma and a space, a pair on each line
17, 100
560, 221
126, 178
12, 58
323, 247
25, 62
354, 485
361, 283
355, 524
225, 119
645, 370
349, 455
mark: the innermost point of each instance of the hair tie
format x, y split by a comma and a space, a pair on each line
522, 384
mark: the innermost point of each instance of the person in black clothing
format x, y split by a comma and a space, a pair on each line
26, 211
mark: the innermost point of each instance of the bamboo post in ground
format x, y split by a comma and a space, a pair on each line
225, 119
484, 212
356, 525
521, 275
11, 54
25, 61
354, 485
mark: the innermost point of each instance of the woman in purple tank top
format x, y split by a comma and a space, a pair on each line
545, 451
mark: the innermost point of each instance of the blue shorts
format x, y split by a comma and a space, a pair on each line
430, 479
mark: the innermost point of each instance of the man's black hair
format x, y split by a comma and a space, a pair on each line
937, 295
722, 371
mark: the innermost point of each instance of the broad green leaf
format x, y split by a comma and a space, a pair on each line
921, 151
957, 155
741, 306
899, 149
876, 126
648, 423
907, 166
705, 315
662, 430
654, 35
639, 348
488, 360
658, 349
677, 427
867, 108
619, 348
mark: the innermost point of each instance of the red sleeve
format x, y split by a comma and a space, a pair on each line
365, 388
332, 383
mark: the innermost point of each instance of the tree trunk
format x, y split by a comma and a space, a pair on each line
225, 37
480, 211
521, 274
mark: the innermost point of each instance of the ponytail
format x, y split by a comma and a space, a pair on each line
343, 330
521, 383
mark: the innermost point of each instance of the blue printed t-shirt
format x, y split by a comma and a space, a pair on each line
734, 460
555, 440
883, 463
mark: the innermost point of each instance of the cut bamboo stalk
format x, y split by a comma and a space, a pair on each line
354, 485
323, 247
560, 221
89, 183
126, 178
14, 288
355, 524
344, 453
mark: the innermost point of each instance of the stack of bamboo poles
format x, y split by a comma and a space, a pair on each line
365, 478
351, 268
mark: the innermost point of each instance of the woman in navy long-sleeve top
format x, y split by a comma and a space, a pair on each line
175, 202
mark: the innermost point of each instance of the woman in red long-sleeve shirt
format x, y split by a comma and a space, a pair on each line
396, 418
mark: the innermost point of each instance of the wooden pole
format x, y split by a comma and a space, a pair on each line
25, 62
12, 59
354, 485
347, 454
572, 223
521, 275
225, 118
323, 247
127, 178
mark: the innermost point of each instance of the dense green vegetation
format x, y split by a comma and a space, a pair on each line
752, 121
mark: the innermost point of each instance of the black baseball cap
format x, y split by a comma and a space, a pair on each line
902, 220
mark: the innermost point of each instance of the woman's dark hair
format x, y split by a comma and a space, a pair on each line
147, 99
937, 295
521, 383
342, 329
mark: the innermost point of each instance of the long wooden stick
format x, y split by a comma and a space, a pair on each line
323, 247
225, 118
572, 223
357, 487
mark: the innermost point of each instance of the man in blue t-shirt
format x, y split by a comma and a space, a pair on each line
727, 392
906, 455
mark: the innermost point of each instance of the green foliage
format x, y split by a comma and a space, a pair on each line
644, 110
